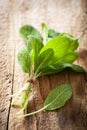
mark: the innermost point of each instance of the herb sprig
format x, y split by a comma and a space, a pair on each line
37, 59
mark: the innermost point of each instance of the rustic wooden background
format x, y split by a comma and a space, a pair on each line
64, 16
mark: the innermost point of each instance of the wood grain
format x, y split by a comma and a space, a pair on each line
64, 16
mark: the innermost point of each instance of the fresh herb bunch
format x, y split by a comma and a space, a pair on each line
57, 53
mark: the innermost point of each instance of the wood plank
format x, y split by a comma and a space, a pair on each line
63, 16
6, 64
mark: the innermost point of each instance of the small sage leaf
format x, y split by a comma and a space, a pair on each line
58, 97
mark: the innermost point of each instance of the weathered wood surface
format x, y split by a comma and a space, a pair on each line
65, 16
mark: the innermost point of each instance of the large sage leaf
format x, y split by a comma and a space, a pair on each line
63, 46
68, 58
24, 60
28, 30
58, 97
43, 60
34, 45
59, 45
52, 69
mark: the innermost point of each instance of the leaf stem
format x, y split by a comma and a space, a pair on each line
32, 113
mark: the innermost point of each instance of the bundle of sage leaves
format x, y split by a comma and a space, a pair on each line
45, 56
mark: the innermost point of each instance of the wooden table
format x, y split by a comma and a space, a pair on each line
64, 16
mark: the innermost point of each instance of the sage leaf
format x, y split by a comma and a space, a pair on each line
52, 33
35, 46
76, 68
28, 30
60, 45
45, 30
24, 60
68, 58
63, 46
48, 33
58, 97
43, 60
56, 68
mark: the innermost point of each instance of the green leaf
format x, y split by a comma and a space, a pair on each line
52, 69
60, 45
63, 47
43, 60
45, 30
58, 97
28, 30
48, 33
76, 68
74, 42
68, 58
24, 60
35, 46
52, 33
